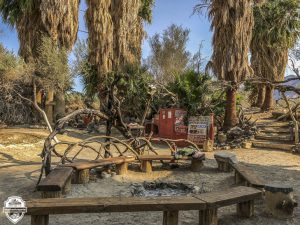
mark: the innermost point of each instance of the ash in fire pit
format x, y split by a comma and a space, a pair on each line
158, 188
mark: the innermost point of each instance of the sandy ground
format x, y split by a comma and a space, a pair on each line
20, 164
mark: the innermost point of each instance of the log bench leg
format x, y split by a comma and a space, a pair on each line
170, 218
196, 165
51, 194
82, 176
239, 179
208, 217
224, 166
245, 209
68, 186
147, 166
122, 168
40, 220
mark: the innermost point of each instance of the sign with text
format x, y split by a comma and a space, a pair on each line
198, 129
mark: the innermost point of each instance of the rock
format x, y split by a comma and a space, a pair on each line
138, 190
113, 174
105, 175
226, 148
236, 132
247, 145
93, 171
222, 138
196, 190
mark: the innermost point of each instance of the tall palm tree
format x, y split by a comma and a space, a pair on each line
36, 19
128, 17
124, 15
276, 30
138, 33
100, 40
232, 23
115, 34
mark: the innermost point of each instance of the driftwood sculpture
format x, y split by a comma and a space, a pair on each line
101, 146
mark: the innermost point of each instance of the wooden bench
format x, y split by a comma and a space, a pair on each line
146, 161
225, 161
207, 205
57, 183
82, 169
245, 176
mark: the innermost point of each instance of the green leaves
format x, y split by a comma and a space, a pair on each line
146, 10
277, 22
193, 90
12, 10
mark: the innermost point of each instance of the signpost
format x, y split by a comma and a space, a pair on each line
200, 129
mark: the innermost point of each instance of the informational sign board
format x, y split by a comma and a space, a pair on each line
179, 125
198, 129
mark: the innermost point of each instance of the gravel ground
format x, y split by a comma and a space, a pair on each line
20, 164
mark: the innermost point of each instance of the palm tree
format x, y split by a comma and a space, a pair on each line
115, 35
138, 33
100, 40
128, 17
232, 23
124, 16
276, 30
35, 20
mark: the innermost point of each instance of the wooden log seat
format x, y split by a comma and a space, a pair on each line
280, 200
82, 168
57, 183
225, 161
207, 204
246, 176
146, 161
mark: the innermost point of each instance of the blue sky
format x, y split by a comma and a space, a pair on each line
165, 13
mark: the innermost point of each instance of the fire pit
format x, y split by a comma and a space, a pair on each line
158, 188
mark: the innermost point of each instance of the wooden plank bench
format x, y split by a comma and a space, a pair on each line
245, 176
82, 169
225, 161
146, 161
242, 196
207, 204
57, 183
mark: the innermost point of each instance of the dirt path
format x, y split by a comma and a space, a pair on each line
20, 164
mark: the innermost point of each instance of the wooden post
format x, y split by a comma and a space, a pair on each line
122, 168
296, 126
82, 176
238, 178
245, 209
208, 217
196, 165
40, 220
224, 166
51, 194
68, 186
208, 146
147, 166
170, 218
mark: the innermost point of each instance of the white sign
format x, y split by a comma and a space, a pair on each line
14, 209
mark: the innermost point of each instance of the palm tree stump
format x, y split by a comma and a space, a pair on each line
280, 200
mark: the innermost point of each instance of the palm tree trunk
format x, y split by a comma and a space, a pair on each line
260, 96
230, 119
269, 101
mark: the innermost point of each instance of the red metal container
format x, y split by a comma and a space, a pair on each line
171, 123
